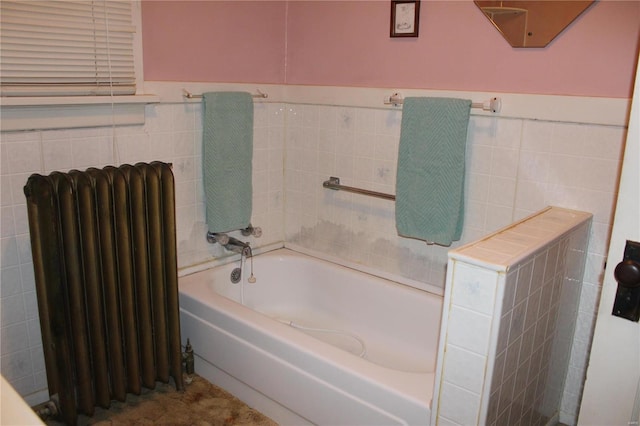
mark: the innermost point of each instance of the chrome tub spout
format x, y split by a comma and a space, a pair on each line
238, 246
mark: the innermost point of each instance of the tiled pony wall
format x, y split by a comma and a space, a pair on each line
514, 167
508, 322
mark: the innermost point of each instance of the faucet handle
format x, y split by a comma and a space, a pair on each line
251, 230
214, 237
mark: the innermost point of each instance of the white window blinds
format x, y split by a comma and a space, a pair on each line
66, 48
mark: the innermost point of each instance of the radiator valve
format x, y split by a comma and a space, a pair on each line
48, 409
188, 361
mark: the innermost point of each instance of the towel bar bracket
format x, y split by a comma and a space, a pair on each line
332, 183
215, 237
493, 105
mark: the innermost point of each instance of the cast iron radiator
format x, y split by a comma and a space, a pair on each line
104, 254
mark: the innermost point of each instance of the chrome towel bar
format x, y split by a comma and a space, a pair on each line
493, 104
334, 183
187, 94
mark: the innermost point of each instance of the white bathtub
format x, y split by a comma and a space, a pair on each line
297, 376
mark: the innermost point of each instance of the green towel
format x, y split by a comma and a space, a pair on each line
431, 167
226, 159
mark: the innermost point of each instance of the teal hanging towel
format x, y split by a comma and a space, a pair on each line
431, 169
227, 156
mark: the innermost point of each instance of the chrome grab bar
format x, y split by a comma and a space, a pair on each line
334, 183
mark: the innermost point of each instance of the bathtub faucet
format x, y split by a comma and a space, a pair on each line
238, 246
230, 243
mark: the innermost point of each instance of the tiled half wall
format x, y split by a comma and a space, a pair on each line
508, 322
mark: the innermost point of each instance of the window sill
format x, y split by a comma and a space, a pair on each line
40, 113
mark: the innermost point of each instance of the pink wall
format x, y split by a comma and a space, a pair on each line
217, 41
346, 43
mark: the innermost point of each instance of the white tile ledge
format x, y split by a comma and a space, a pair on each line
487, 255
58, 112
9, 101
558, 108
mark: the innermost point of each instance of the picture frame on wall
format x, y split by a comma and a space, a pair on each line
405, 18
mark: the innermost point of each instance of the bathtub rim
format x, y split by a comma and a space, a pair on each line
429, 288
213, 263
220, 261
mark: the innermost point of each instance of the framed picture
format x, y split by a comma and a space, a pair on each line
405, 16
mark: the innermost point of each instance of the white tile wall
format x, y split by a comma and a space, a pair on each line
515, 167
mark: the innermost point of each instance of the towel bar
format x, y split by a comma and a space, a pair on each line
334, 183
187, 94
493, 104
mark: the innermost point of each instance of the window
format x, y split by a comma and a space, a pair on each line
70, 63
66, 48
